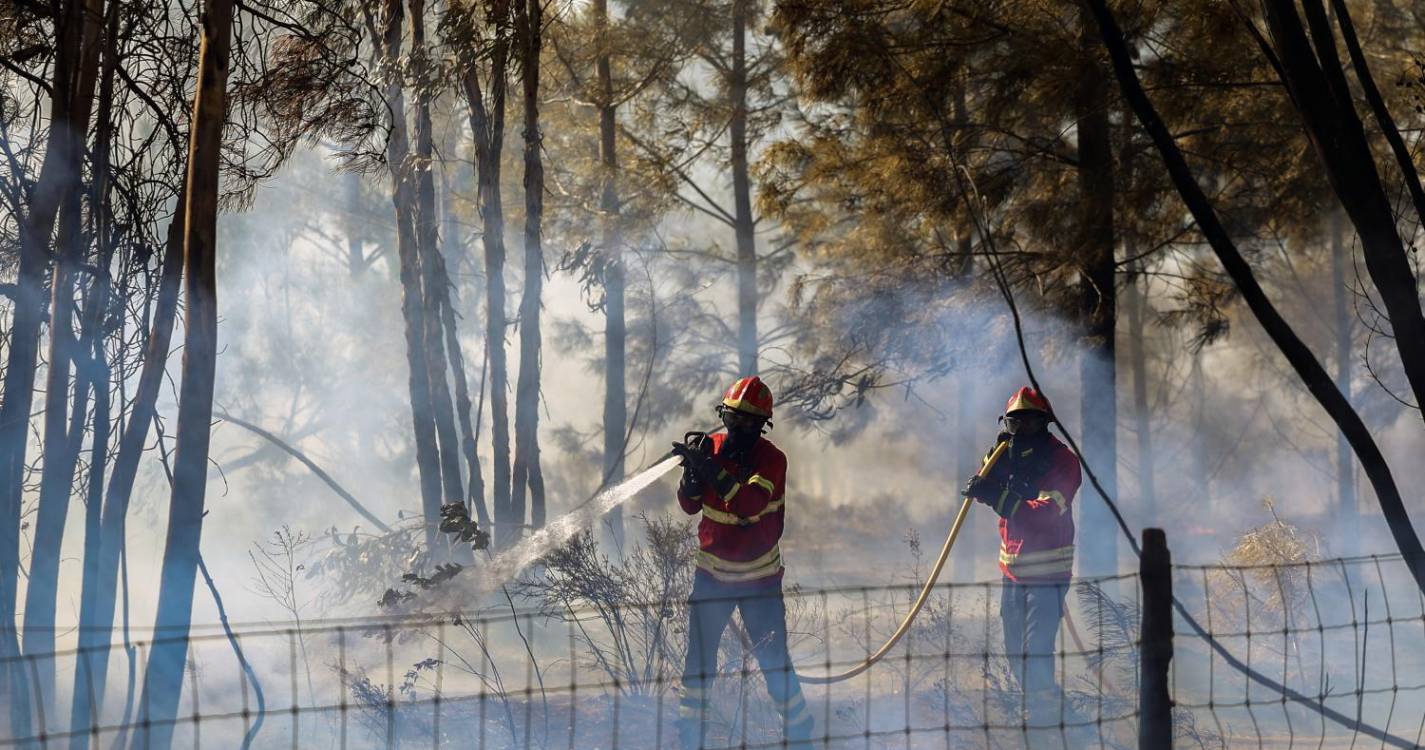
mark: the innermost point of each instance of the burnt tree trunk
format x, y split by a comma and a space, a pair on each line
1296, 352
63, 431
1098, 305
1323, 97
487, 125
745, 224
163, 679
615, 321
99, 588
527, 470
432, 279
403, 196
94, 327
59, 176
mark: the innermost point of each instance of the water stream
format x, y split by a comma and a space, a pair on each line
508, 564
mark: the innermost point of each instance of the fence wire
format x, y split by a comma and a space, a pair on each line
1348, 633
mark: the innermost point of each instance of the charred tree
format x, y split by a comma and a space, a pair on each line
1296, 352
59, 176
527, 472
1311, 69
744, 224
487, 125
163, 679
433, 282
1098, 304
615, 320
99, 588
63, 430
413, 307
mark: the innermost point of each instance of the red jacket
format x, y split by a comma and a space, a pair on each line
739, 532
1037, 534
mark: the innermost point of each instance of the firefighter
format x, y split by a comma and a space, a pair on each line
1031, 488
736, 479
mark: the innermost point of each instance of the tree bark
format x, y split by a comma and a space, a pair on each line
1098, 304
1297, 354
432, 280
403, 196
615, 322
100, 377
527, 471
99, 586
163, 679
59, 176
487, 127
1142, 417
745, 224
63, 431
1323, 98
1347, 515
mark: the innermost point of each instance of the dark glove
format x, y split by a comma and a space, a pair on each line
983, 489
698, 464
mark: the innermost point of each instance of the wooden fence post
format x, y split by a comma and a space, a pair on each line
1155, 653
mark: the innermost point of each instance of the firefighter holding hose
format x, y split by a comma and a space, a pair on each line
736, 479
1029, 480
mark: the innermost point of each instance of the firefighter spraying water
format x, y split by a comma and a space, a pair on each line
736, 480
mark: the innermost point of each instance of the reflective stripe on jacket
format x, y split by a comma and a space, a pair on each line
740, 527
1037, 533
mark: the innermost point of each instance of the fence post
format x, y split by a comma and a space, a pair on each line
1155, 653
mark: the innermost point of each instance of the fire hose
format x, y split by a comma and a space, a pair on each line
924, 591
929, 586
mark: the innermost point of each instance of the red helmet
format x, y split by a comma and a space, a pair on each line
1028, 399
749, 396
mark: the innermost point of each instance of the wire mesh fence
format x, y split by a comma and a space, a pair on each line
1346, 634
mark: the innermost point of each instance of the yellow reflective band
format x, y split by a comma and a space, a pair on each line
1048, 555
732, 492
1057, 497
732, 519
1041, 569
730, 570
693, 693
764, 483
687, 712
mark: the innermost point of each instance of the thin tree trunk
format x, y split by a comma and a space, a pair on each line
453, 250
615, 322
163, 679
1098, 305
487, 126
526, 466
62, 442
1201, 471
355, 243
403, 196
99, 587
1348, 517
1297, 354
59, 175
432, 280
1321, 94
745, 224
1143, 424
95, 339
